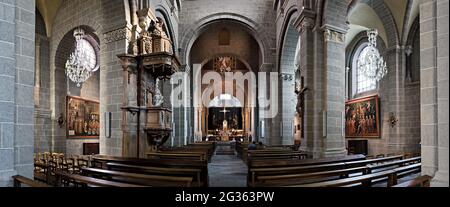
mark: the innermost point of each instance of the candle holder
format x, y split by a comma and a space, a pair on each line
392, 120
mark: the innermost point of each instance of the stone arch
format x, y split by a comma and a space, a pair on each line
334, 14
288, 67
412, 49
97, 16
162, 13
198, 27
288, 35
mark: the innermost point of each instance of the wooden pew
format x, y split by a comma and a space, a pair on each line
302, 178
19, 180
186, 172
177, 155
281, 167
365, 180
277, 155
360, 163
281, 172
421, 181
140, 179
86, 181
190, 164
398, 163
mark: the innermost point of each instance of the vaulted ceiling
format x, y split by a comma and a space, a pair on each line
363, 17
48, 10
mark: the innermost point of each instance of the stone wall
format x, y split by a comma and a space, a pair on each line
17, 37
434, 85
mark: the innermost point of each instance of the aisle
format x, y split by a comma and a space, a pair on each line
226, 170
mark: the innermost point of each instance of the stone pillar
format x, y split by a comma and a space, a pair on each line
305, 24
17, 46
434, 83
265, 126
112, 90
288, 103
334, 86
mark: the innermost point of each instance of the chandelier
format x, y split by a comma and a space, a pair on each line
371, 64
77, 66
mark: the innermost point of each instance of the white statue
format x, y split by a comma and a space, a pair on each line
158, 99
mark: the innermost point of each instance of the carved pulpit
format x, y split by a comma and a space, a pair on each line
147, 124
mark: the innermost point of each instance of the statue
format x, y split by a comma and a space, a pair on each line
158, 99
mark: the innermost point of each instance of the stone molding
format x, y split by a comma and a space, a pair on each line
331, 35
118, 34
286, 77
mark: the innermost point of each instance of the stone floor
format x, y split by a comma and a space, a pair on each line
227, 170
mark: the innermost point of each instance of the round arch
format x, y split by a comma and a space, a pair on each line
199, 27
162, 13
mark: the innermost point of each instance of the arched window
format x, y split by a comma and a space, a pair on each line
89, 53
363, 83
359, 82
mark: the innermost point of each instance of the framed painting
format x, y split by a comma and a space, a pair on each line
83, 118
362, 118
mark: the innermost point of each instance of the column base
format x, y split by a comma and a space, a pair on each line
335, 153
440, 179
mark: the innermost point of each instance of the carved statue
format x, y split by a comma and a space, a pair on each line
158, 99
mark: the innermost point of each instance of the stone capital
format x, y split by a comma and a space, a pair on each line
118, 34
305, 20
286, 77
333, 34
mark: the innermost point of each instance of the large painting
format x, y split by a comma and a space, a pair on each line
83, 118
362, 118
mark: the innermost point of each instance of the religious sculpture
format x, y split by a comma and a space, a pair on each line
158, 99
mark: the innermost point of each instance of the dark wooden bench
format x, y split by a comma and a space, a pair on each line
366, 180
139, 179
284, 167
177, 155
393, 164
19, 180
303, 178
85, 181
165, 163
421, 181
365, 162
277, 155
185, 172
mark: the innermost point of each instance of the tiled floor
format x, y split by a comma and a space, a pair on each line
227, 170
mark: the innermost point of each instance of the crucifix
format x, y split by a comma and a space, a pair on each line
300, 91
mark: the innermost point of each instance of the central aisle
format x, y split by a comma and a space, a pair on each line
226, 169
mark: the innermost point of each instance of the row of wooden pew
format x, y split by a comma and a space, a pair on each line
187, 167
353, 170
279, 152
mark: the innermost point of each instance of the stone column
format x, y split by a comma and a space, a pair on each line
265, 125
288, 108
334, 85
112, 86
434, 90
17, 46
305, 24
